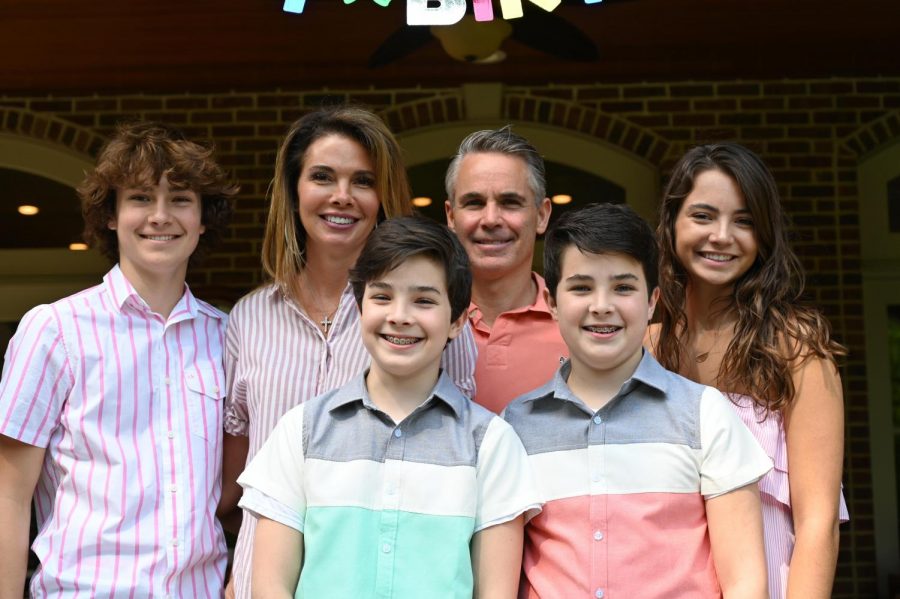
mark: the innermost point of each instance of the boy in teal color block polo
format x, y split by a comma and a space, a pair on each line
394, 485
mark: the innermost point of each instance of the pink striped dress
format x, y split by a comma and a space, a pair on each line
277, 358
128, 406
774, 491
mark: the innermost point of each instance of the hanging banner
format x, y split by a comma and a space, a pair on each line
448, 12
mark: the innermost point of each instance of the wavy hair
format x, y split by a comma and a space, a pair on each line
138, 155
774, 329
284, 243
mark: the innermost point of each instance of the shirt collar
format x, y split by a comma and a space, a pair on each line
538, 305
122, 292
355, 392
648, 372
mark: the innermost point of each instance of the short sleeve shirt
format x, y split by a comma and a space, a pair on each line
389, 510
625, 486
128, 405
519, 352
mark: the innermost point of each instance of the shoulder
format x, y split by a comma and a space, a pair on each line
253, 302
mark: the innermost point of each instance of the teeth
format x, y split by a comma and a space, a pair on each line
340, 220
717, 257
491, 241
401, 340
603, 329
160, 237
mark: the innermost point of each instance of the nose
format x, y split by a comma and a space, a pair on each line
160, 213
342, 195
600, 303
722, 232
490, 216
400, 313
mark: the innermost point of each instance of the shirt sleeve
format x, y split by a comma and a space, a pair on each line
506, 485
459, 360
275, 475
37, 378
730, 455
237, 421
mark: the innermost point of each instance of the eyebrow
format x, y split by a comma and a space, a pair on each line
625, 276
711, 208
325, 167
416, 288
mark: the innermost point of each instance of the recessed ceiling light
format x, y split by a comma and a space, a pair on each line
421, 202
28, 210
561, 198
78, 247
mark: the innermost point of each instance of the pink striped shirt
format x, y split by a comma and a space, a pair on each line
277, 358
775, 491
127, 405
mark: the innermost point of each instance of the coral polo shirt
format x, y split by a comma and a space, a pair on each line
520, 352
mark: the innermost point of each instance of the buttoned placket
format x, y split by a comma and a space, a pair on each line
599, 504
391, 493
169, 414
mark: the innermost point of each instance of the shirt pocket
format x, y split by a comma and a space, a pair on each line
204, 398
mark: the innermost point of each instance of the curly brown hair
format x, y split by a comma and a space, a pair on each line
775, 330
138, 155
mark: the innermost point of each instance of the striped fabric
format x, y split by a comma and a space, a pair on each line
775, 491
398, 503
626, 485
277, 358
128, 406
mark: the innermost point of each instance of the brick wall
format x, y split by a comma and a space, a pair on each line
811, 132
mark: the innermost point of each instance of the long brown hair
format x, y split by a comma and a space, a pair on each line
284, 244
774, 327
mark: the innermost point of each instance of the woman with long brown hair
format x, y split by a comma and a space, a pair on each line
338, 173
732, 316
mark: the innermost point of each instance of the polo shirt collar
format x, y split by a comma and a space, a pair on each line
355, 392
538, 305
648, 372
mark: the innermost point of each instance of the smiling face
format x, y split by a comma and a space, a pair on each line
715, 240
405, 320
495, 215
603, 306
338, 203
157, 228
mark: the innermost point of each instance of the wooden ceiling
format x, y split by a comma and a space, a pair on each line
60, 46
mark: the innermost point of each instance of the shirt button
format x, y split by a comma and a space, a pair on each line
167, 381
173, 488
599, 594
597, 420
174, 542
598, 536
171, 434
386, 548
398, 433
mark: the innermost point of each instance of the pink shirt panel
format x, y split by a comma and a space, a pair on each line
519, 353
128, 406
602, 541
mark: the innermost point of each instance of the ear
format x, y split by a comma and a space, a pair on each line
448, 209
111, 224
544, 210
551, 303
654, 297
457, 325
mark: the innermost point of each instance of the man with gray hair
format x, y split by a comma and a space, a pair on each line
497, 207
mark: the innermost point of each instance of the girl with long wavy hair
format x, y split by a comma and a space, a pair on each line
732, 316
